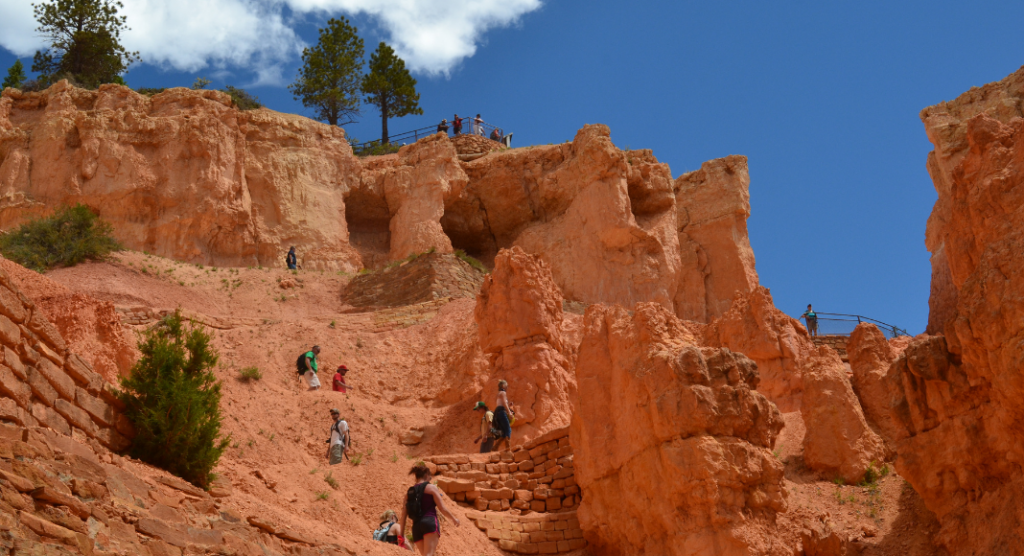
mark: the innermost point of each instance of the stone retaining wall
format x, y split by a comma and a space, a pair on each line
528, 496
45, 385
835, 342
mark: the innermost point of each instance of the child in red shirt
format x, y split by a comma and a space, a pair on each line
339, 380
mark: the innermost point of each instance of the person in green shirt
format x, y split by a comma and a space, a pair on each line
311, 367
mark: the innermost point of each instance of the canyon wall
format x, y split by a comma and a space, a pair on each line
672, 443
960, 397
185, 175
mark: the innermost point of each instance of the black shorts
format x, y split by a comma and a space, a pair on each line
487, 446
425, 525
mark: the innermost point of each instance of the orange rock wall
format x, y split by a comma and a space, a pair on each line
962, 396
672, 443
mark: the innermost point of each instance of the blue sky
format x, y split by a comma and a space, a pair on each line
823, 97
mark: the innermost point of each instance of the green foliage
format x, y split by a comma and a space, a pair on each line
250, 374
15, 76
70, 236
329, 78
85, 42
357, 459
375, 148
471, 261
242, 99
329, 479
390, 87
200, 83
321, 495
173, 399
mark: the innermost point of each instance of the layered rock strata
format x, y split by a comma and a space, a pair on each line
672, 442
185, 175
962, 396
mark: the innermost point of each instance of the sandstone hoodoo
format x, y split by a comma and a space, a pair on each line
672, 443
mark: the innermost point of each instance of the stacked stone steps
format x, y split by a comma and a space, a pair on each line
525, 499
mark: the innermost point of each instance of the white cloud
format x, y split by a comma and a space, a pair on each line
433, 36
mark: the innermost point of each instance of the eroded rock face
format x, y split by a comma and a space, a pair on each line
963, 395
839, 442
519, 319
775, 341
672, 443
181, 174
712, 207
870, 356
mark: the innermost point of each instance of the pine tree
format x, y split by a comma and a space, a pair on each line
85, 42
390, 87
329, 77
173, 399
15, 76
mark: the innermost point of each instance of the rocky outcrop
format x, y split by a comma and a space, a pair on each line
182, 174
519, 318
962, 396
672, 442
185, 175
712, 207
839, 442
777, 342
870, 357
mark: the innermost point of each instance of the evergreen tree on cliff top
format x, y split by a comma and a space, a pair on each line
173, 399
85, 42
390, 88
329, 77
15, 76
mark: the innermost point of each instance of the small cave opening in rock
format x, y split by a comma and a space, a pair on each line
468, 231
369, 230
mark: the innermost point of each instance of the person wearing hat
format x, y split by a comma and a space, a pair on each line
457, 125
443, 126
485, 428
339, 380
338, 444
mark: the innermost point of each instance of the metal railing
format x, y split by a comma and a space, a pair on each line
839, 324
469, 127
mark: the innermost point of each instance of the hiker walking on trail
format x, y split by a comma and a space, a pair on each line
812, 320
337, 445
307, 368
338, 384
486, 428
503, 417
291, 260
478, 126
389, 531
422, 502
443, 126
457, 125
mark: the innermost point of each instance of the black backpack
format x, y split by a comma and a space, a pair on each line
300, 364
414, 501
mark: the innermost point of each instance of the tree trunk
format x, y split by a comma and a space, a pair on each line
384, 122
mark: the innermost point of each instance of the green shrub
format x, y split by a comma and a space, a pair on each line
150, 91
243, 99
173, 400
68, 237
250, 373
471, 261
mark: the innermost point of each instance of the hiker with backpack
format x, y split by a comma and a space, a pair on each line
812, 320
291, 259
306, 365
487, 430
503, 418
389, 531
337, 444
422, 502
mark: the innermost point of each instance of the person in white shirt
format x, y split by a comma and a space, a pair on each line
339, 442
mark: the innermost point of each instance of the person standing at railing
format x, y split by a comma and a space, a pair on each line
457, 125
812, 320
478, 126
496, 135
443, 126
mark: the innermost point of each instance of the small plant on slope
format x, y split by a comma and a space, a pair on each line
250, 373
68, 237
173, 399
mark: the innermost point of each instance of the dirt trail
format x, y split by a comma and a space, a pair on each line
408, 371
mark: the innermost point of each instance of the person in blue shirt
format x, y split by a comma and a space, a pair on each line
811, 319
291, 259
